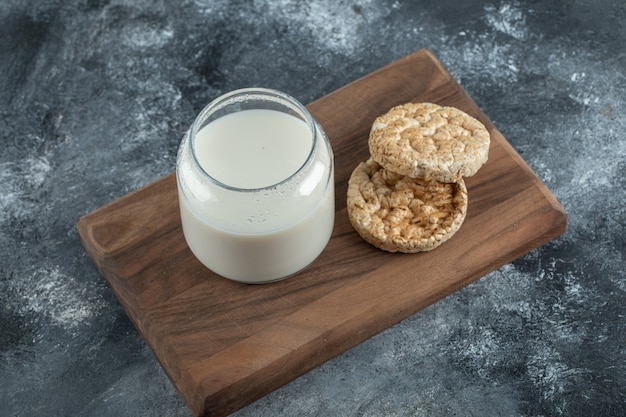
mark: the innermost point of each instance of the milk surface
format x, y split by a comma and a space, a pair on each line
259, 235
253, 148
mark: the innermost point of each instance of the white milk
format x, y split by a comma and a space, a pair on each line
258, 234
253, 148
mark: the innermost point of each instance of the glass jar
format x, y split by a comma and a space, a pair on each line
255, 176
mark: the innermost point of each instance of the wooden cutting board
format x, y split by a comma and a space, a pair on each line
225, 344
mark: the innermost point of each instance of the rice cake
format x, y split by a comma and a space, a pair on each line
397, 213
429, 141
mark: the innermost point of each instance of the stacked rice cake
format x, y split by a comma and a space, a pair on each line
409, 196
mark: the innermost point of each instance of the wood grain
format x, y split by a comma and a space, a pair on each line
225, 344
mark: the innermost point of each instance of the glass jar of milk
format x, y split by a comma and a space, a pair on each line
255, 180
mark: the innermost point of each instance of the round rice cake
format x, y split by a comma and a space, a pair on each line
430, 141
397, 213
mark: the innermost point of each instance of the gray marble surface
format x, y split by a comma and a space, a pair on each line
95, 94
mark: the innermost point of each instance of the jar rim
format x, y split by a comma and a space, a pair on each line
240, 95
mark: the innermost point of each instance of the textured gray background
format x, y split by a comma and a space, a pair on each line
94, 95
